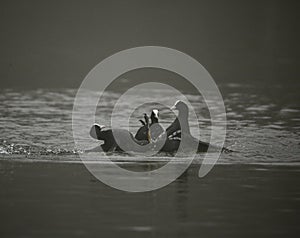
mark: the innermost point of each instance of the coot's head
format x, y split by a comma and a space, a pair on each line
154, 116
96, 132
180, 106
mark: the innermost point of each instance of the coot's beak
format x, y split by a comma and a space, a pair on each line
155, 113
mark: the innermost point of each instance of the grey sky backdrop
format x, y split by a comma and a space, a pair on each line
56, 43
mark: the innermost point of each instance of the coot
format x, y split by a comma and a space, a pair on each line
181, 129
110, 144
150, 131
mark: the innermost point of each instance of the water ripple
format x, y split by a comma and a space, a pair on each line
261, 128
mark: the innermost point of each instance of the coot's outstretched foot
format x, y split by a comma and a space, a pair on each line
150, 131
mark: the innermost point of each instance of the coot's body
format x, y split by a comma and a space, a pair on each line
181, 129
150, 131
110, 144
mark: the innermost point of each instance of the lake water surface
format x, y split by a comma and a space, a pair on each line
263, 123
254, 191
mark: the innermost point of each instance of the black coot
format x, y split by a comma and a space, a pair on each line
149, 131
101, 133
180, 127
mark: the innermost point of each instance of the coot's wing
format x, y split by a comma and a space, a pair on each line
175, 126
176, 134
142, 133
